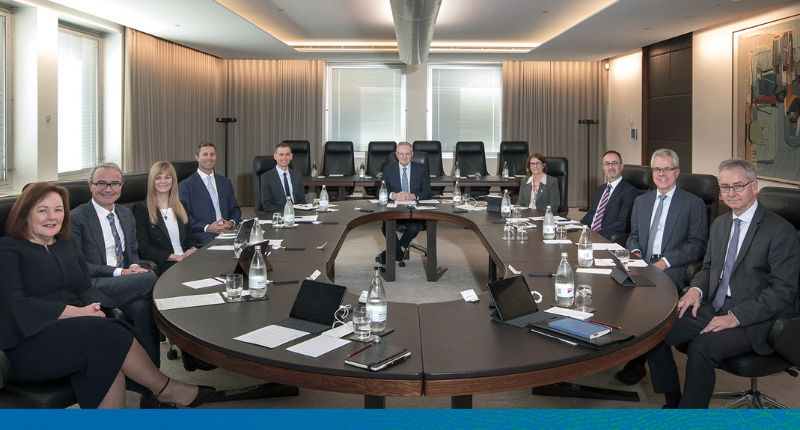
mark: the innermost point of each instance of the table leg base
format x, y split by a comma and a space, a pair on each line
261, 391
461, 402
374, 402
569, 389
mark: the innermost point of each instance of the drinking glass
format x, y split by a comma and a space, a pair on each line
361, 324
277, 219
561, 232
624, 255
522, 232
465, 199
238, 245
508, 232
516, 212
233, 286
583, 297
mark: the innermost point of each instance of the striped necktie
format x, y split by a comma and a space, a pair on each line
117, 240
601, 209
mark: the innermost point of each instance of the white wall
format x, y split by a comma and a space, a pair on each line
625, 106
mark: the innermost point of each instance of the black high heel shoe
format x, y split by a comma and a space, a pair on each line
204, 394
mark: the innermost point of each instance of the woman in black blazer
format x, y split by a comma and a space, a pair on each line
162, 225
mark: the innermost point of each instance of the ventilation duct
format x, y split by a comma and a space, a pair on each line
414, 21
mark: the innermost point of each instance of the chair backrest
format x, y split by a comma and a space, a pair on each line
6, 203
261, 164
704, 186
558, 167
419, 157
434, 150
134, 190
378, 156
301, 156
639, 176
184, 168
471, 158
515, 153
783, 201
338, 158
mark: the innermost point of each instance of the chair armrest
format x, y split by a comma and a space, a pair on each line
783, 337
619, 239
149, 265
692, 269
5, 370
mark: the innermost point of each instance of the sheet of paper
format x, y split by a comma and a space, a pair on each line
606, 246
469, 296
425, 208
536, 218
637, 263
275, 243
603, 262
334, 175
306, 218
405, 202
572, 313
516, 220
374, 201
220, 248
271, 336
573, 227
342, 330
472, 208
304, 206
557, 241
593, 271
203, 283
226, 235
513, 270
569, 221
189, 301
265, 221
314, 275
429, 202
391, 205
317, 346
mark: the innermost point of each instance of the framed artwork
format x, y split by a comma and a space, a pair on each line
766, 98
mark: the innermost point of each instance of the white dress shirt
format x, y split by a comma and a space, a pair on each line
108, 236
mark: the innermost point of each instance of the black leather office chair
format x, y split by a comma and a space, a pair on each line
639, 176
184, 168
338, 159
471, 159
261, 164
707, 188
782, 201
421, 158
558, 167
301, 156
433, 148
515, 153
377, 158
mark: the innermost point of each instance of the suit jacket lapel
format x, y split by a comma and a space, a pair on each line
672, 218
748, 238
644, 220
163, 225
96, 231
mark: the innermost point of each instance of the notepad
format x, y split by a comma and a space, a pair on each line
378, 357
582, 329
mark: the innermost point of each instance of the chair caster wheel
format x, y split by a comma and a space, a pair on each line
172, 354
401, 264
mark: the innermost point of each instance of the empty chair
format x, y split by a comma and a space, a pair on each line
184, 168
638, 176
558, 167
301, 156
261, 165
434, 150
338, 160
782, 201
707, 188
471, 159
515, 154
378, 153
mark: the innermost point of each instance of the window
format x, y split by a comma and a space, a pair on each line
465, 104
77, 100
365, 102
3, 133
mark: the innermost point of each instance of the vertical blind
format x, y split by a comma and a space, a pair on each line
466, 105
3, 146
365, 103
77, 101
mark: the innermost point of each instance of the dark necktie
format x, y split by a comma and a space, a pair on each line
286, 184
601, 209
651, 237
404, 180
730, 258
117, 241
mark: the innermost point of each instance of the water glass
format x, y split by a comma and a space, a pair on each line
361, 324
465, 199
508, 232
277, 219
522, 232
624, 255
561, 232
583, 297
515, 212
238, 245
233, 286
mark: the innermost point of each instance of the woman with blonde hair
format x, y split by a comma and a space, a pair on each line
162, 225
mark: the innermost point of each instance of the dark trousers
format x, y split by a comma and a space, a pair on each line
705, 353
410, 230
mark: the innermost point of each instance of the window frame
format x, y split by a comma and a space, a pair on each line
6, 185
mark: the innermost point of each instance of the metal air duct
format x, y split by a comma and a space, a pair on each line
414, 21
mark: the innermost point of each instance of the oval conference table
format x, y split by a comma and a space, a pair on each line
456, 350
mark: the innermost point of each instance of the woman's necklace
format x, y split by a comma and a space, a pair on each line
164, 212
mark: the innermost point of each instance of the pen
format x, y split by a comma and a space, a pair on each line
287, 281
606, 324
363, 348
568, 342
540, 274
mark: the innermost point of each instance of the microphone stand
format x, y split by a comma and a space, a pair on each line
588, 123
227, 122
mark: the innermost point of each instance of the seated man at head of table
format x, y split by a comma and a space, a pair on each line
281, 182
405, 180
610, 214
208, 197
749, 279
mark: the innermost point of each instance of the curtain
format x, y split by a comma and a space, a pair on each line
542, 103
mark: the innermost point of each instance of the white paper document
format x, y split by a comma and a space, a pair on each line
606, 246
572, 313
471, 208
513, 270
405, 202
429, 202
516, 220
374, 201
275, 243
203, 283
637, 263
569, 221
265, 221
593, 271
391, 205
425, 208
306, 218
221, 248
603, 262
334, 175
342, 330
304, 206
317, 346
189, 301
469, 296
271, 336
226, 235
314, 275
557, 241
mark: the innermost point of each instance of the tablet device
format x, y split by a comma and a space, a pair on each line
246, 257
513, 302
244, 229
619, 274
314, 308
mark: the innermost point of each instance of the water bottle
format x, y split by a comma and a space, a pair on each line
288, 213
256, 233
361, 171
505, 169
456, 193
565, 283
376, 303
505, 205
383, 194
585, 253
458, 171
323, 200
314, 171
549, 227
257, 276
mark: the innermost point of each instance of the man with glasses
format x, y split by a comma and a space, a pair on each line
405, 181
105, 232
749, 279
281, 182
610, 213
669, 229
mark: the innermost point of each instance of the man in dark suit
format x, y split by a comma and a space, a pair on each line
209, 198
281, 182
749, 279
610, 213
669, 229
405, 181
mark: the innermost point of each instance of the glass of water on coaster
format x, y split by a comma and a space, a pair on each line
233, 286
583, 298
361, 324
238, 245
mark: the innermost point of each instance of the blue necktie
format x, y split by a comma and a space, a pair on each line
117, 241
651, 238
212, 191
730, 258
286, 184
404, 180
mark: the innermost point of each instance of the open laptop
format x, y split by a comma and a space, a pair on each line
621, 275
513, 302
314, 307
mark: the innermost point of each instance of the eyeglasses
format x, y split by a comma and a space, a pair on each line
611, 164
103, 185
537, 163
735, 187
404, 154
664, 170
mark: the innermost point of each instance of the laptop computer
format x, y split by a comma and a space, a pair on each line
513, 302
314, 307
621, 275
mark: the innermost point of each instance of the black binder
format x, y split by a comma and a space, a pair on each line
601, 342
378, 357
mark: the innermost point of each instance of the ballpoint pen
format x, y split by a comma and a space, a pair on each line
568, 342
616, 327
363, 348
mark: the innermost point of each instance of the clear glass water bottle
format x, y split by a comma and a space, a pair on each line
376, 303
257, 275
549, 225
585, 253
456, 193
256, 233
314, 171
505, 205
457, 171
505, 169
288, 213
383, 194
361, 171
323, 200
565, 283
